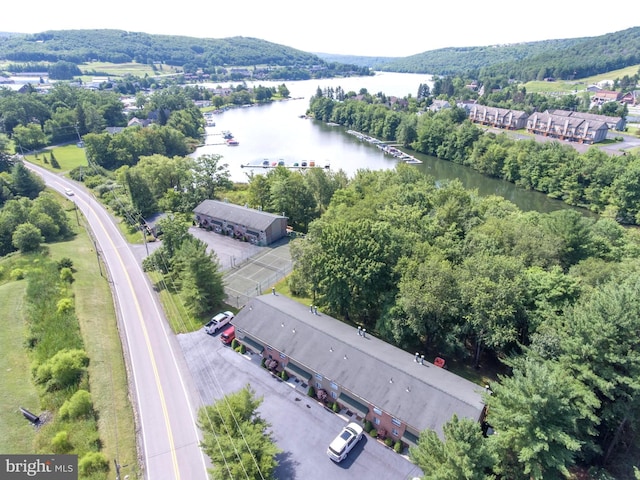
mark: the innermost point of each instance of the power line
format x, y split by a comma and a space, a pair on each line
130, 215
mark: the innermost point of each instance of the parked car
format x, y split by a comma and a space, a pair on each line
217, 322
227, 335
344, 442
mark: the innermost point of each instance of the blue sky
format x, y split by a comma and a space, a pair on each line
358, 27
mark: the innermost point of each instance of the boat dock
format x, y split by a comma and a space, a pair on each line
266, 163
385, 147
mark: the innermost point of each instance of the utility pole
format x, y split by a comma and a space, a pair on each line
97, 256
144, 238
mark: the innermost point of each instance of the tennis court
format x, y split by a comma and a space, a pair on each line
256, 275
248, 269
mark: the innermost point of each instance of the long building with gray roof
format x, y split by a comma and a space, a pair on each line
255, 226
400, 393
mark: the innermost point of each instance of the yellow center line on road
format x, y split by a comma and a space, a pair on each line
149, 349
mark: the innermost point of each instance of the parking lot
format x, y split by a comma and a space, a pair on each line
302, 428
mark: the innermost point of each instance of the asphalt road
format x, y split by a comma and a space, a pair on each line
165, 397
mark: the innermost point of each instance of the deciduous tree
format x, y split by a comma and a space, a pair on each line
27, 238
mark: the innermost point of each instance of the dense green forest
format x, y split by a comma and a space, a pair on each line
371, 62
118, 46
563, 59
456, 60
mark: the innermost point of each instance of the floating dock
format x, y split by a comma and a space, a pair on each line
303, 164
385, 147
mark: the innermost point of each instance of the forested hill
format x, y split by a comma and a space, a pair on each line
567, 58
358, 60
118, 46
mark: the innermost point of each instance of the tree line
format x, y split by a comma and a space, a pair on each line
603, 183
28, 215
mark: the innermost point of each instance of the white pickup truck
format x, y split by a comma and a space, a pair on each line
217, 322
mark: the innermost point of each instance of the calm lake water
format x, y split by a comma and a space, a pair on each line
275, 132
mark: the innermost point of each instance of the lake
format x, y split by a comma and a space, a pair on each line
275, 132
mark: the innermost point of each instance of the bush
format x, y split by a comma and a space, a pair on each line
335, 407
284, 375
17, 274
93, 462
79, 405
65, 262
373, 432
243, 349
235, 343
311, 392
398, 447
66, 275
64, 305
388, 441
63, 370
368, 426
27, 238
263, 362
60, 442
54, 161
93, 181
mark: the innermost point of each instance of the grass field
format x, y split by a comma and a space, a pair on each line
100, 69
107, 372
15, 373
68, 156
578, 86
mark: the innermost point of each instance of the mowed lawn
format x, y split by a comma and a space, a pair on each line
15, 373
68, 156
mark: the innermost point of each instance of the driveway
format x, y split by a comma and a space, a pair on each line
301, 427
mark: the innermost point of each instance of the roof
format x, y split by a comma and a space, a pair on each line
585, 115
570, 120
422, 396
498, 112
249, 217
